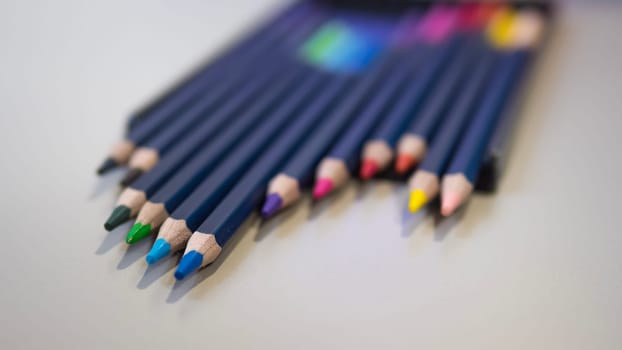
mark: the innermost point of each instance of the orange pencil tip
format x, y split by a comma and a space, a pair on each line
404, 163
369, 168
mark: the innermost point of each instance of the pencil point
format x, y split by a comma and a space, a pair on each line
131, 176
118, 216
272, 205
106, 166
322, 188
161, 248
189, 263
137, 232
369, 168
404, 163
450, 201
417, 200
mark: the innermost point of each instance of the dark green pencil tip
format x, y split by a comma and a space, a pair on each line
131, 176
138, 232
106, 166
119, 215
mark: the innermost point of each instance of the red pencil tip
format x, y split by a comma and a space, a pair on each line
404, 163
369, 168
322, 188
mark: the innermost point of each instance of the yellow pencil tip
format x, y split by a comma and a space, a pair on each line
417, 200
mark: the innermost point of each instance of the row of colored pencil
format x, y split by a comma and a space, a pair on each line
322, 93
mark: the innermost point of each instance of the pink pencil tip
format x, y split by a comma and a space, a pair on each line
322, 188
449, 203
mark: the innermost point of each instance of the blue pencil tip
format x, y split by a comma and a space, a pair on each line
272, 204
160, 249
188, 264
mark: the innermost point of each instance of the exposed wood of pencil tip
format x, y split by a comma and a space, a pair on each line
379, 151
204, 243
153, 214
175, 232
286, 187
144, 159
333, 169
425, 181
133, 199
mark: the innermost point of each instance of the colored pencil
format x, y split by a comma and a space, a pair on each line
279, 43
284, 189
134, 196
430, 115
249, 40
335, 168
247, 193
203, 180
436, 45
459, 180
231, 95
424, 184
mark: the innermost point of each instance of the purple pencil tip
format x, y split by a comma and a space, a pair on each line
271, 205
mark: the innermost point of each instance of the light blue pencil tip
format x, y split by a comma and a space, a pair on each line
160, 249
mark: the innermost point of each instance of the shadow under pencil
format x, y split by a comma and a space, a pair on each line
181, 288
113, 238
134, 252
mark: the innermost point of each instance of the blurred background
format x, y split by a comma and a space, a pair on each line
535, 265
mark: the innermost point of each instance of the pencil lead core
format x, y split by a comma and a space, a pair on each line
404, 163
118, 216
137, 233
322, 188
450, 201
369, 168
272, 205
106, 166
161, 248
189, 263
417, 200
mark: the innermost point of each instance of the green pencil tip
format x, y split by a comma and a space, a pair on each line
138, 232
119, 215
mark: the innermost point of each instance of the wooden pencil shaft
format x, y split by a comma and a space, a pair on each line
348, 147
211, 190
206, 135
249, 191
251, 39
430, 61
230, 96
469, 155
444, 142
201, 175
280, 48
432, 111
310, 153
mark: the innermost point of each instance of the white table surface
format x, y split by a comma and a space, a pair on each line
536, 265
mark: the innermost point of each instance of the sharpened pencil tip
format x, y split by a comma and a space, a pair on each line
137, 233
404, 163
322, 188
417, 200
118, 216
189, 263
106, 166
131, 176
450, 201
272, 205
369, 168
161, 248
